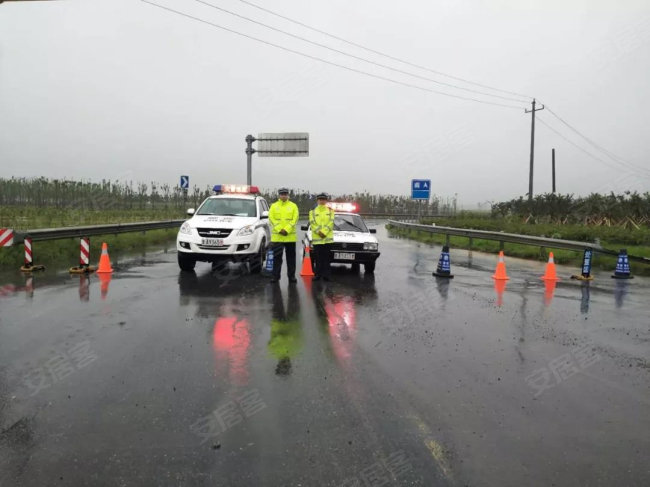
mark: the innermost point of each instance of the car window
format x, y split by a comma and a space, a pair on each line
349, 223
263, 206
228, 207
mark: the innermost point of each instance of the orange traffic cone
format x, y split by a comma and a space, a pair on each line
104, 260
550, 274
500, 272
306, 263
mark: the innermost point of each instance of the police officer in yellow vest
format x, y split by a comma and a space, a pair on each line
321, 223
283, 216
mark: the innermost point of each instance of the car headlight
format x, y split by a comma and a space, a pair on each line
370, 246
247, 230
186, 228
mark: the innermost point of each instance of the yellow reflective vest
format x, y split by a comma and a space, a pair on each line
283, 215
321, 219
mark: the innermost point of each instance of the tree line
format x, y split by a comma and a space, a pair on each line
118, 195
626, 209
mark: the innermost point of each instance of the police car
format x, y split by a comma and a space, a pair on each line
232, 226
354, 243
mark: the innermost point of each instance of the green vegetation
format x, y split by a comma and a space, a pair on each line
111, 199
29, 217
637, 242
65, 253
627, 210
610, 236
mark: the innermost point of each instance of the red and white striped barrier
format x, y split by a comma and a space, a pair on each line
84, 258
29, 260
6, 237
28, 252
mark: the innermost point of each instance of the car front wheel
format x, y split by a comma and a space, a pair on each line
369, 267
258, 259
186, 262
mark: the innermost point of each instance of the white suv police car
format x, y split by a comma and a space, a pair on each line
354, 243
232, 226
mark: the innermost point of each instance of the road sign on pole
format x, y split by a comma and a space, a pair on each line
295, 144
283, 145
185, 182
420, 189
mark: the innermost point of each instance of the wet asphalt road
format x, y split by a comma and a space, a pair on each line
162, 378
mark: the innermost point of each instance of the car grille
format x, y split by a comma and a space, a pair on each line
346, 246
214, 232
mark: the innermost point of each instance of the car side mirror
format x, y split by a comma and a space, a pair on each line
265, 214
190, 211
304, 227
372, 230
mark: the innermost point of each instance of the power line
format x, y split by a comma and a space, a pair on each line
611, 155
316, 58
388, 56
607, 163
359, 58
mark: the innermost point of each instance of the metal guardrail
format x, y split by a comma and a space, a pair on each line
41, 234
502, 237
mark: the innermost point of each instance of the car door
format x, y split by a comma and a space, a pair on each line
262, 207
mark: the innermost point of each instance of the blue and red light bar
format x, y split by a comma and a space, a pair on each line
236, 189
343, 206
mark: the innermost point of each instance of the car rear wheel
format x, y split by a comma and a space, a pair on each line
369, 267
186, 262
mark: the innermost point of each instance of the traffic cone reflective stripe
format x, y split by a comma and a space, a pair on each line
104, 260
500, 272
306, 263
550, 274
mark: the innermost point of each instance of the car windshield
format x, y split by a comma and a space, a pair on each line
349, 223
228, 207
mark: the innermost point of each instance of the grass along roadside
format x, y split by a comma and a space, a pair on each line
561, 256
29, 218
65, 252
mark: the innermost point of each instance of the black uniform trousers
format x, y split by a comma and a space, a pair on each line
323, 254
290, 249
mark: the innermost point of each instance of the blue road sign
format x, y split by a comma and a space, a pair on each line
420, 189
185, 182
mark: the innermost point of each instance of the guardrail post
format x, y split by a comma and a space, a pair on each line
501, 245
471, 240
447, 240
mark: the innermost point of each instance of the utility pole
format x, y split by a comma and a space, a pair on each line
532, 148
249, 159
553, 158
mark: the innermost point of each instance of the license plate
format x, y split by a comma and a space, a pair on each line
344, 255
212, 242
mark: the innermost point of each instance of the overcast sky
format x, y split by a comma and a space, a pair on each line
123, 89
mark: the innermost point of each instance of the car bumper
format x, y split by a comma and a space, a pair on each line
233, 247
360, 256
